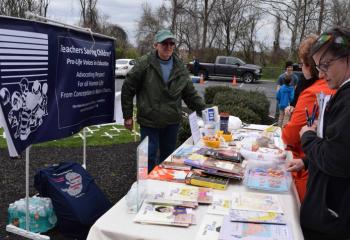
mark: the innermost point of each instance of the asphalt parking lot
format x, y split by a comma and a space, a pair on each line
266, 86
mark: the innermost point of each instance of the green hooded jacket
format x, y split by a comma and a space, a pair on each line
158, 104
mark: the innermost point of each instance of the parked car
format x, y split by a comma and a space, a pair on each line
227, 66
123, 66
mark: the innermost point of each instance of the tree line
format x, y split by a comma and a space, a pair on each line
206, 28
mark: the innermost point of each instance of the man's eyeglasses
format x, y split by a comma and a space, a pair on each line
164, 44
325, 66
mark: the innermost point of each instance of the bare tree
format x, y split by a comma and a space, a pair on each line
89, 14
207, 9
147, 26
321, 16
248, 35
298, 16
231, 15
43, 6
17, 8
340, 10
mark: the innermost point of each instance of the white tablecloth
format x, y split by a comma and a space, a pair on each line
117, 224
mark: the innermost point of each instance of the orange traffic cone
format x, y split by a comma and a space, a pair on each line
234, 80
201, 79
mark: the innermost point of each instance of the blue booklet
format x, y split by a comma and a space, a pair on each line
268, 179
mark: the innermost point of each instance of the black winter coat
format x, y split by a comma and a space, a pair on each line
326, 207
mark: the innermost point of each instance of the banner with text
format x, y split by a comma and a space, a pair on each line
53, 81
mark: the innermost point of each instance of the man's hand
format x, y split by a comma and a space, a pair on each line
295, 165
128, 123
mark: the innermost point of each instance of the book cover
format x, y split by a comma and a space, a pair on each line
209, 228
221, 205
206, 180
268, 179
177, 165
253, 231
184, 151
257, 217
205, 195
256, 202
220, 165
166, 174
174, 194
164, 215
229, 154
223, 174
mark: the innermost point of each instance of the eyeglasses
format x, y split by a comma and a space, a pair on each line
325, 66
164, 44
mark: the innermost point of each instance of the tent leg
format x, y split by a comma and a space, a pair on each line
27, 188
25, 232
84, 148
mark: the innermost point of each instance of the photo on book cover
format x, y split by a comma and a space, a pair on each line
164, 215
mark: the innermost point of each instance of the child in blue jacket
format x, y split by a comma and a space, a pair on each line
284, 96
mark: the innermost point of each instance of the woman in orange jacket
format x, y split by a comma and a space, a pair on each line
311, 86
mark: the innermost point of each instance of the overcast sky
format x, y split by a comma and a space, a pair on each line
125, 13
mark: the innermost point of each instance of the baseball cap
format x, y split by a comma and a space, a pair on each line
162, 35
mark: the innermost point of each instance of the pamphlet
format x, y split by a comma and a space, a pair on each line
256, 202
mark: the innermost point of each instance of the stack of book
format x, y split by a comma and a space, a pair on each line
173, 205
216, 167
168, 174
201, 179
174, 194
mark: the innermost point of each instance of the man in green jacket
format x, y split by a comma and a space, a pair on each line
160, 82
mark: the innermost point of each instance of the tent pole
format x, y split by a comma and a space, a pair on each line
27, 188
84, 148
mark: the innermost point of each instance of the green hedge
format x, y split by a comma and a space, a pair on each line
249, 106
210, 92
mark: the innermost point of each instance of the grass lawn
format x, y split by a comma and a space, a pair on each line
96, 136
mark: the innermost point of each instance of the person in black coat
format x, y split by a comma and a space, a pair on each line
325, 211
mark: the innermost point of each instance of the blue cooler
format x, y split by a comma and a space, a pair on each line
77, 200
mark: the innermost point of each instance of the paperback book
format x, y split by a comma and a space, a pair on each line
229, 154
253, 231
175, 194
274, 180
205, 195
206, 180
210, 227
221, 205
165, 215
256, 217
220, 165
166, 174
256, 202
176, 165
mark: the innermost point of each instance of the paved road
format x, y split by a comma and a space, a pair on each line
268, 87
